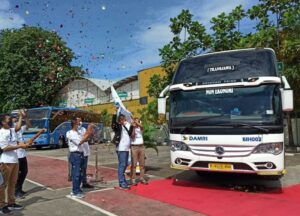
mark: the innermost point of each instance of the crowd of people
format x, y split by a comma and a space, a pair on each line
128, 140
13, 162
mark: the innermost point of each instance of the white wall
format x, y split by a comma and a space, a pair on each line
78, 90
132, 89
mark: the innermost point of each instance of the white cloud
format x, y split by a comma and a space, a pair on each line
9, 19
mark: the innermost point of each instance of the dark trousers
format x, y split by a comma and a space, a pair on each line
76, 162
123, 161
23, 170
84, 168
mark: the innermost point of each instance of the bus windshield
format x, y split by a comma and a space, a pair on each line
226, 67
36, 125
38, 113
255, 104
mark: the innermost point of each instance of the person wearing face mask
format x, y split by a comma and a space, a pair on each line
9, 166
23, 166
86, 154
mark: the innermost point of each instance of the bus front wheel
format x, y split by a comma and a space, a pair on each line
61, 143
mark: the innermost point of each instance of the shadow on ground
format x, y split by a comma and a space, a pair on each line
228, 181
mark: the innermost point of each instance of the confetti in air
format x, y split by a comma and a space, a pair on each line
103, 7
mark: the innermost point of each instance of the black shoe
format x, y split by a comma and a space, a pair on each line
87, 186
14, 207
19, 195
144, 182
5, 210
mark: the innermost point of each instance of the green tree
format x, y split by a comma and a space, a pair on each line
106, 118
281, 35
34, 65
157, 83
226, 29
194, 40
149, 114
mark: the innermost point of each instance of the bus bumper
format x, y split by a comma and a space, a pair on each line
251, 164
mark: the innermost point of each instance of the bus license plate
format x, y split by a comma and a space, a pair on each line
219, 166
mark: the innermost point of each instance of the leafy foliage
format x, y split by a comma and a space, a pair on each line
148, 135
106, 118
149, 114
34, 65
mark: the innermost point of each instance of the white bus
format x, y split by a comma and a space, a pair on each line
226, 113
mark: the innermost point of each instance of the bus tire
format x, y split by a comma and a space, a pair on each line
38, 147
203, 173
273, 177
61, 143
53, 146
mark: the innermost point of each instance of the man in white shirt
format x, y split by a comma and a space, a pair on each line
122, 131
23, 166
9, 165
75, 142
86, 154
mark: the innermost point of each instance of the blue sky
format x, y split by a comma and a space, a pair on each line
113, 38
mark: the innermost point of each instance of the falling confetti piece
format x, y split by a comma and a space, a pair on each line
17, 6
103, 7
27, 12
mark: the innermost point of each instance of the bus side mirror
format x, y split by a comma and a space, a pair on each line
162, 106
287, 100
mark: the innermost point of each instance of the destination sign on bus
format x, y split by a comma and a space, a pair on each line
219, 91
221, 68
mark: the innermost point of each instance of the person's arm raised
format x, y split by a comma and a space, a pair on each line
19, 123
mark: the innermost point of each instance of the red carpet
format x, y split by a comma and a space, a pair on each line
53, 173
216, 201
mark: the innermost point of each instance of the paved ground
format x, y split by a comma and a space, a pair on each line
48, 196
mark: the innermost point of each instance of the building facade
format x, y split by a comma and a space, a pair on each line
94, 94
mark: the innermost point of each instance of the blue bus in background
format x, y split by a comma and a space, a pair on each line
57, 121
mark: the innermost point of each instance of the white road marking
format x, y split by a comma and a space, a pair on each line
44, 186
92, 206
105, 189
40, 185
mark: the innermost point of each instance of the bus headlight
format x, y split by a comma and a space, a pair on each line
178, 146
269, 148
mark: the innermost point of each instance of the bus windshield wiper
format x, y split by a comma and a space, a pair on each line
193, 122
240, 124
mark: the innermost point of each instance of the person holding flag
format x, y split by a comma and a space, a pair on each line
122, 139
